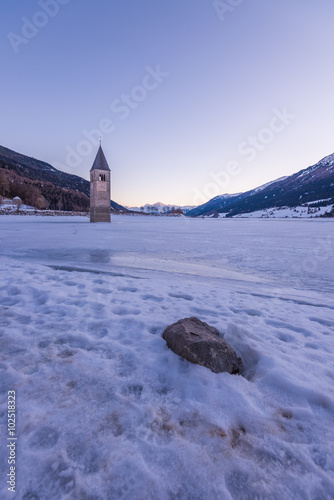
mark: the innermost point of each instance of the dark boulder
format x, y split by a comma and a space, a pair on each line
200, 343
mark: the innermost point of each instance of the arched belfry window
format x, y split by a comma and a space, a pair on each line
102, 177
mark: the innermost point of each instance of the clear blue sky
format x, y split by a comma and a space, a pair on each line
177, 88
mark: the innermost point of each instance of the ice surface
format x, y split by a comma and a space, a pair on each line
106, 411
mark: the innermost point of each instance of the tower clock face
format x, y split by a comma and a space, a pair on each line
102, 186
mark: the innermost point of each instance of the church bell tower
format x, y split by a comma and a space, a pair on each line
100, 189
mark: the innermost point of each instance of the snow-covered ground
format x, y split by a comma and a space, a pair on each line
107, 411
301, 212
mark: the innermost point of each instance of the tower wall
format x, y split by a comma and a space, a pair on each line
100, 196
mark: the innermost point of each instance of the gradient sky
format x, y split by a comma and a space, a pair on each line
226, 76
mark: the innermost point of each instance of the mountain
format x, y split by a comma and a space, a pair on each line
41, 185
33, 169
313, 186
160, 208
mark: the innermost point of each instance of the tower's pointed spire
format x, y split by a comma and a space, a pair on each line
100, 162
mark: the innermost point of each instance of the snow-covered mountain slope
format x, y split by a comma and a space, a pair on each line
304, 212
159, 208
261, 188
308, 185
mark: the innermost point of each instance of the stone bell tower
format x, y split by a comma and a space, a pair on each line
100, 189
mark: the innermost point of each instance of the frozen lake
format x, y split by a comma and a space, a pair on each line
106, 411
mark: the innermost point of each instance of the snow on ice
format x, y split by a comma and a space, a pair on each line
107, 411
